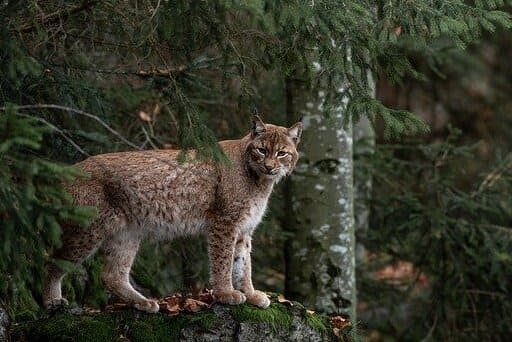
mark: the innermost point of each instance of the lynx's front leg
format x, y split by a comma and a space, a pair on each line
242, 272
221, 244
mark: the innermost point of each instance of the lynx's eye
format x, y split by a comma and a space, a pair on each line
261, 151
281, 154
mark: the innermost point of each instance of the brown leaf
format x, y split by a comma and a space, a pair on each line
192, 305
340, 322
206, 296
284, 301
398, 30
91, 310
144, 116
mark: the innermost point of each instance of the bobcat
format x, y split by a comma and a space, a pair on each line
150, 193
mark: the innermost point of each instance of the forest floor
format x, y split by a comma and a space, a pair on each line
186, 318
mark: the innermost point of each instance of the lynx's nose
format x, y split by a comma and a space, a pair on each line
272, 170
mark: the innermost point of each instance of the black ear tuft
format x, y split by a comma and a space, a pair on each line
258, 126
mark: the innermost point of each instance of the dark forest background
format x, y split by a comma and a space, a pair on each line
434, 78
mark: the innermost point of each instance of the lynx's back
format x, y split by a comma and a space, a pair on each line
149, 188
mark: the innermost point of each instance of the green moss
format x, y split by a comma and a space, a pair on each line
276, 315
317, 322
65, 327
108, 326
155, 328
206, 319
166, 328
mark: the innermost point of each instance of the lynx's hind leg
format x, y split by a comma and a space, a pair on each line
78, 244
119, 253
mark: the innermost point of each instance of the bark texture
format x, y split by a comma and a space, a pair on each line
220, 323
320, 261
4, 323
364, 147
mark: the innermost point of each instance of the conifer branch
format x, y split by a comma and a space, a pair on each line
58, 130
80, 112
58, 16
150, 73
494, 175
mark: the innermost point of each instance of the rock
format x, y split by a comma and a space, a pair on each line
280, 322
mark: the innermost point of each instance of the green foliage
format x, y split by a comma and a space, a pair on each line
194, 68
33, 203
458, 237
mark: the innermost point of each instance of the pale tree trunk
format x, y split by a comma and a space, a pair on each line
320, 253
364, 147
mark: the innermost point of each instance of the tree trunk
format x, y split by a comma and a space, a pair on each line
4, 324
364, 147
320, 262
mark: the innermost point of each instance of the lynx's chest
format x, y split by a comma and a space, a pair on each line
253, 215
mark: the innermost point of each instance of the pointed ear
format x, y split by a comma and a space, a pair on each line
295, 131
258, 126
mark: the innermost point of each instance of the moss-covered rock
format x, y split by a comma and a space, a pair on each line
219, 323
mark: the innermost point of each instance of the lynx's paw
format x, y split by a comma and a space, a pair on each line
149, 305
259, 299
231, 297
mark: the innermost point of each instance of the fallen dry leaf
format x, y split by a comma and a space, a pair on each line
144, 116
90, 310
339, 322
284, 301
192, 305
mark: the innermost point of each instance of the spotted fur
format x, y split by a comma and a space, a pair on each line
150, 193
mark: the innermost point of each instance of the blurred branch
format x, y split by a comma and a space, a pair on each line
57, 16
80, 112
58, 130
494, 175
153, 72
502, 229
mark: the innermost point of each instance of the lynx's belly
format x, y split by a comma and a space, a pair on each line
178, 215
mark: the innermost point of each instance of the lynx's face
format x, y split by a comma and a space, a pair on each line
272, 151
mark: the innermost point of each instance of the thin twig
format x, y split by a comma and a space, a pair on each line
58, 16
153, 72
494, 175
156, 10
502, 229
431, 330
80, 112
58, 130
